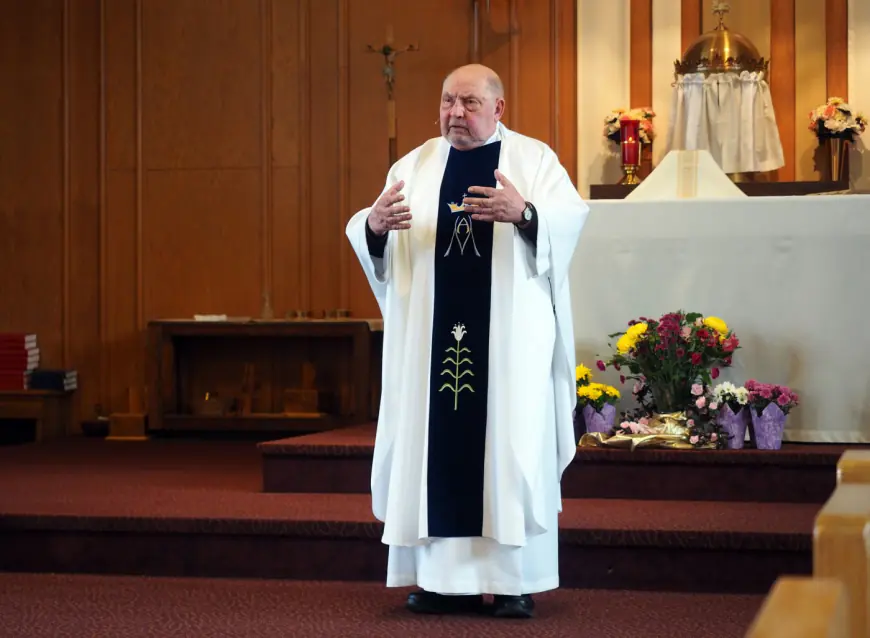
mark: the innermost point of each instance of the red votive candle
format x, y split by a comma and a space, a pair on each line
629, 133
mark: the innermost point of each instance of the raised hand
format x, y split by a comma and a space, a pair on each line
388, 214
496, 205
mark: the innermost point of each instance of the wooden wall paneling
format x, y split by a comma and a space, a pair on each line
691, 20
533, 65
290, 155
782, 80
640, 27
325, 234
32, 173
343, 124
809, 83
201, 158
266, 171
120, 236
837, 47
84, 349
564, 32
65, 154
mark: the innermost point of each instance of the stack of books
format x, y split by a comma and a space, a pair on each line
19, 357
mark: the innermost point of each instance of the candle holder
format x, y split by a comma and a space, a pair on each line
629, 135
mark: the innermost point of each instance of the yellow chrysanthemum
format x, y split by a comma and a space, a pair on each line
625, 343
583, 373
637, 329
715, 323
611, 392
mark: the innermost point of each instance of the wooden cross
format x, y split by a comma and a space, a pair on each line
389, 73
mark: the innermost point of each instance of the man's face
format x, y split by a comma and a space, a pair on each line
469, 110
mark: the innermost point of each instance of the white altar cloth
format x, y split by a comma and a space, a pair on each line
790, 275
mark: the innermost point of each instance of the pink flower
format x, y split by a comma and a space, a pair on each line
697, 389
714, 405
701, 402
690, 423
643, 420
694, 440
686, 332
783, 399
714, 436
638, 387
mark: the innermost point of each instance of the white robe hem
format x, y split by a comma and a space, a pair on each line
468, 588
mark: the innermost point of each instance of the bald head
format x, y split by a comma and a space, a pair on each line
472, 103
478, 73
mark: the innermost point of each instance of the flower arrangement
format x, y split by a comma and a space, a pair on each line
645, 115
597, 395
701, 413
763, 394
729, 394
670, 354
834, 119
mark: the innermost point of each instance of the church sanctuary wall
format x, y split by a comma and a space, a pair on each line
162, 158
816, 46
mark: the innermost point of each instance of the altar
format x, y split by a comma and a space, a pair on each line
788, 274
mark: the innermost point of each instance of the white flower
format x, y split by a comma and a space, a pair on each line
459, 331
742, 396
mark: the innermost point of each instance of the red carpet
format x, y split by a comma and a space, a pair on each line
51, 606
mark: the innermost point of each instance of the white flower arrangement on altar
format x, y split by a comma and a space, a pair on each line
644, 114
834, 119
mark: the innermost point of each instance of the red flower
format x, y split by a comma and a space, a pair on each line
601, 365
681, 353
727, 361
714, 373
622, 378
696, 358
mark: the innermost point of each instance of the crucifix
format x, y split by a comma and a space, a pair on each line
388, 71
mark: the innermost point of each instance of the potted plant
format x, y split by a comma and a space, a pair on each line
769, 406
598, 404
733, 415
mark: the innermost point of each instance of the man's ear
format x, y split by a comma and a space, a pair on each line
499, 108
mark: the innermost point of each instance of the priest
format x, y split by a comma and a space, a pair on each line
467, 252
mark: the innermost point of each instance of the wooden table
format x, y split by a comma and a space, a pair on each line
342, 348
50, 410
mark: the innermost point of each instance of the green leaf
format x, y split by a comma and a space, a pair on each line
691, 317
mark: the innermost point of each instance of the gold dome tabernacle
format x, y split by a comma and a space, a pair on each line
720, 51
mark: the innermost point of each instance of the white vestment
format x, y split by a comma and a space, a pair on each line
531, 391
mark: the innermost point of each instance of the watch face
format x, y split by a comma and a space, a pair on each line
527, 214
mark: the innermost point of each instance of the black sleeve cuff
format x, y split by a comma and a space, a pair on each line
377, 244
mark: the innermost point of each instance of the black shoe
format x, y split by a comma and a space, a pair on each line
427, 602
513, 606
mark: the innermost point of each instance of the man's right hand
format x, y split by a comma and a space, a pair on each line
388, 214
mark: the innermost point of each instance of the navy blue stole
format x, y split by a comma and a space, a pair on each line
460, 349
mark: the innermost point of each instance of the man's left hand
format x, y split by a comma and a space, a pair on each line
496, 205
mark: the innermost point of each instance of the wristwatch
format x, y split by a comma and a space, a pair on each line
528, 215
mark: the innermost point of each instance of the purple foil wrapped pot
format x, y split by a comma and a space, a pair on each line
768, 427
599, 421
734, 425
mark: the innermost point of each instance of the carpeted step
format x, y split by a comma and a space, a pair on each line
605, 543
36, 605
339, 461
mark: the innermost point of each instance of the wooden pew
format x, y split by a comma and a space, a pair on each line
841, 548
854, 467
802, 607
